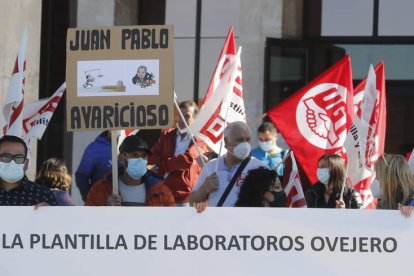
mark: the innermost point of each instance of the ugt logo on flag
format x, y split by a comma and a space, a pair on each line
321, 115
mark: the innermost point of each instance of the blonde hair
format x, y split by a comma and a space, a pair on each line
396, 180
54, 174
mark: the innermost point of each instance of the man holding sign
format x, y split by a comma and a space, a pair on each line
137, 186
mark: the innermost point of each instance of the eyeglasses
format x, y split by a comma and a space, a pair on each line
7, 158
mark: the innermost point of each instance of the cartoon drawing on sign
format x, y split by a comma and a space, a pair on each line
143, 78
113, 77
91, 76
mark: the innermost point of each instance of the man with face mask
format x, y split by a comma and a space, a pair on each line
137, 185
174, 156
15, 188
211, 184
268, 151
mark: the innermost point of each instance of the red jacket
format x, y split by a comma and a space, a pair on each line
157, 193
182, 168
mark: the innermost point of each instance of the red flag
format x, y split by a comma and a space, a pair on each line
13, 103
293, 188
227, 53
316, 119
365, 141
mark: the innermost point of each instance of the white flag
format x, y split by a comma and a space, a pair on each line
365, 140
14, 101
224, 106
37, 115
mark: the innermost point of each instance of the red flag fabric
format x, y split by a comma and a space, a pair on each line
227, 53
316, 119
293, 189
366, 138
13, 103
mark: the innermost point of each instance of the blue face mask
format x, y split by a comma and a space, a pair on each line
11, 172
136, 167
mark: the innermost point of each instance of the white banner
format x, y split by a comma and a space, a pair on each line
220, 241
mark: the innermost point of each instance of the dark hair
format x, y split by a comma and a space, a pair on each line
255, 185
143, 67
267, 126
54, 174
13, 139
337, 171
189, 103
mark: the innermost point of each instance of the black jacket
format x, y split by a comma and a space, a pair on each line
315, 198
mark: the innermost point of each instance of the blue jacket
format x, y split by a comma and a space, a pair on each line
96, 162
270, 160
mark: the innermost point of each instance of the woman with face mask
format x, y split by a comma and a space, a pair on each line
396, 183
261, 188
326, 192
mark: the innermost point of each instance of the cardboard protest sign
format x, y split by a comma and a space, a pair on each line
119, 77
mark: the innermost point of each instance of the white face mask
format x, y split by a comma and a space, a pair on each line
182, 130
376, 189
11, 172
323, 175
242, 150
266, 146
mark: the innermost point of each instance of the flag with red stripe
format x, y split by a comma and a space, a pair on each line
225, 105
37, 115
227, 53
14, 101
293, 189
366, 138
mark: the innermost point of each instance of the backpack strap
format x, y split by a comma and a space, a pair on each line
233, 181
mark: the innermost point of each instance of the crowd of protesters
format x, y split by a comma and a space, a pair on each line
171, 173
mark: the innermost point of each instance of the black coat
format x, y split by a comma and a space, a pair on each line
315, 198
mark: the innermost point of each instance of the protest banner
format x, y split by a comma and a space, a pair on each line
119, 77
219, 241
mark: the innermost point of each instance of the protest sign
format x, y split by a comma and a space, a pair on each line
119, 77
219, 241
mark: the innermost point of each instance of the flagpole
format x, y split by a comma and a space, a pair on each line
114, 146
188, 129
255, 121
226, 100
222, 138
341, 197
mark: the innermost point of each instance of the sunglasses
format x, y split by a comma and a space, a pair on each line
7, 158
